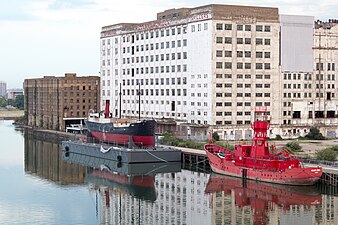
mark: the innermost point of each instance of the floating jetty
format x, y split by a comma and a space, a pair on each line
123, 154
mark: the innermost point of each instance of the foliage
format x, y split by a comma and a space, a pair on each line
314, 134
21, 120
278, 137
327, 154
225, 145
215, 136
169, 139
294, 146
18, 102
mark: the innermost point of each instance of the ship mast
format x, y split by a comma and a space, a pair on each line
139, 101
120, 102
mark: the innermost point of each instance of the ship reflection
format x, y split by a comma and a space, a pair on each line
136, 180
256, 200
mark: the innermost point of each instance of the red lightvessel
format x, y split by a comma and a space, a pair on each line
258, 162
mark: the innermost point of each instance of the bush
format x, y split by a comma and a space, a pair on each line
215, 136
278, 137
294, 146
327, 154
314, 134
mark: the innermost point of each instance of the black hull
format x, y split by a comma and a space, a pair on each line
142, 128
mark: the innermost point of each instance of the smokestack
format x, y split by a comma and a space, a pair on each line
107, 109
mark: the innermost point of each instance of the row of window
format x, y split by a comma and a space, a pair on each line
241, 27
330, 66
241, 85
228, 122
220, 95
240, 54
241, 76
308, 95
156, 46
220, 104
199, 27
157, 69
248, 113
152, 58
156, 81
307, 76
240, 65
228, 40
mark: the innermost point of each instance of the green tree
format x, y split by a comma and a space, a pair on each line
19, 102
326, 154
215, 136
314, 134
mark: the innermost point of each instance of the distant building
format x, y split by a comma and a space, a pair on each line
3, 89
57, 102
12, 93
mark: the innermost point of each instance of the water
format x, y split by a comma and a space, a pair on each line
42, 186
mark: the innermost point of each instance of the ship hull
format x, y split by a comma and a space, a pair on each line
142, 133
293, 176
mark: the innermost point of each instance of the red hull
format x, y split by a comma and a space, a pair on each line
123, 139
292, 176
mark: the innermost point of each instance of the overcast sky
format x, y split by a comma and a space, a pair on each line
52, 37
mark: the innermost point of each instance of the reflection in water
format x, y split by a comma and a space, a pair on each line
158, 194
250, 202
44, 160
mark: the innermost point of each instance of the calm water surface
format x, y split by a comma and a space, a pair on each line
42, 186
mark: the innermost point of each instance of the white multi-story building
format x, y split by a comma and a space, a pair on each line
212, 65
207, 65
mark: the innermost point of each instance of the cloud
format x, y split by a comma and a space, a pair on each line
14, 10
70, 4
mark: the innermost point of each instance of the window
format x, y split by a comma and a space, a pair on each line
227, 40
219, 40
239, 27
239, 54
259, 66
267, 28
219, 65
247, 65
219, 53
227, 54
259, 54
239, 65
247, 54
228, 27
219, 26
267, 41
267, 66
239, 40
267, 55
259, 41
227, 65
259, 28
248, 41
247, 27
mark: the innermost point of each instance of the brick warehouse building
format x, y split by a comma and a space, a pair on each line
57, 102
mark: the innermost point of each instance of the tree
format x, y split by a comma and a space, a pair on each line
19, 102
327, 154
215, 136
314, 134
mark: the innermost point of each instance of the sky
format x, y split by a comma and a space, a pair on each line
54, 37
